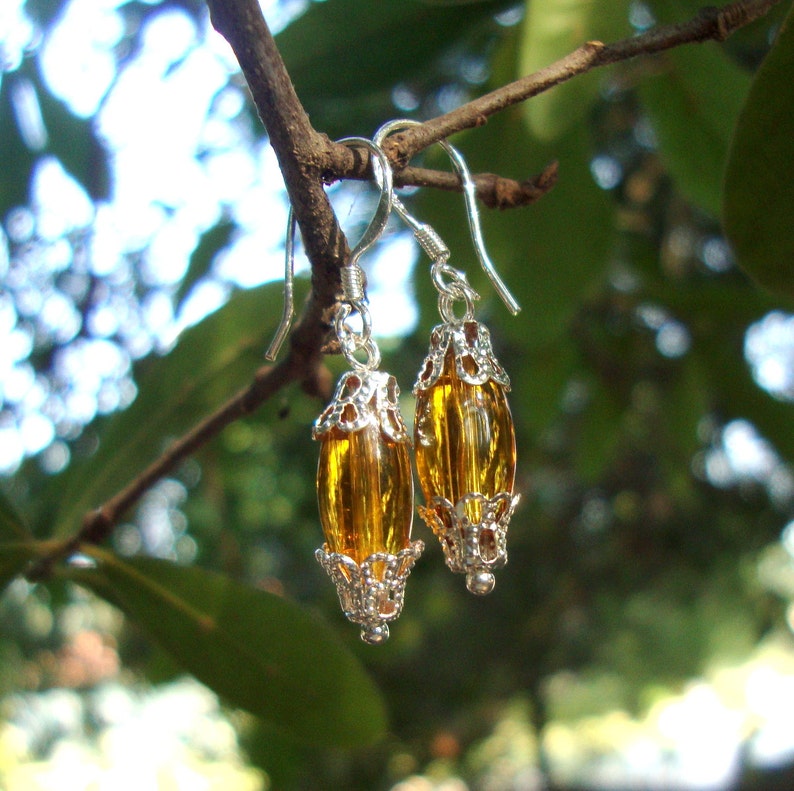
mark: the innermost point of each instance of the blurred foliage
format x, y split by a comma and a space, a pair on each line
756, 197
205, 620
409, 43
634, 554
553, 29
173, 390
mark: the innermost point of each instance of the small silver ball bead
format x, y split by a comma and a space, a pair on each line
480, 583
375, 635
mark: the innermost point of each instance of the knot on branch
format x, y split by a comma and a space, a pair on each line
719, 21
724, 21
502, 193
97, 526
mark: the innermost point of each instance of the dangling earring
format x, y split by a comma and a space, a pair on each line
364, 480
464, 439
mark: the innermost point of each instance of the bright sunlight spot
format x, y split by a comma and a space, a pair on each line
184, 158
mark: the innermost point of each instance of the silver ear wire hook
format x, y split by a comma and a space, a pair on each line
289, 298
352, 278
428, 238
381, 170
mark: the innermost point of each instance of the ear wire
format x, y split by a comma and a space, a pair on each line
428, 238
289, 297
383, 178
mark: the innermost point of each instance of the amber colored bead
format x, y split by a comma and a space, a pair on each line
464, 439
365, 492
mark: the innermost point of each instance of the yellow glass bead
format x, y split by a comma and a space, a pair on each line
464, 439
365, 492
364, 483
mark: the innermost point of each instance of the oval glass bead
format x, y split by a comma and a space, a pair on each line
365, 492
364, 482
464, 439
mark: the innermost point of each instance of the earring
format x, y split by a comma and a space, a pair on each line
364, 480
464, 439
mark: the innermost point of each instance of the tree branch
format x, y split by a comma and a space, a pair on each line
710, 24
309, 159
301, 153
268, 380
496, 192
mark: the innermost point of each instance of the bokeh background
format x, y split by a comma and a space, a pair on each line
640, 636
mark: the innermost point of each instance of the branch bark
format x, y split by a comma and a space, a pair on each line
301, 153
496, 192
308, 160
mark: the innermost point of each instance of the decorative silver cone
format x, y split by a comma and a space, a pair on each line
371, 594
475, 549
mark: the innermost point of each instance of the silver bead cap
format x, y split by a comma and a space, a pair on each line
371, 594
475, 361
364, 398
475, 549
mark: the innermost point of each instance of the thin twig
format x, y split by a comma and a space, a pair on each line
496, 192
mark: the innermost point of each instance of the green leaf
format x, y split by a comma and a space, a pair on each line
454, 2
371, 52
538, 383
211, 361
17, 547
210, 243
739, 396
14, 558
44, 11
399, 40
598, 434
552, 254
281, 757
12, 526
259, 651
553, 29
16, 157
686, 403
758, 202
718, 314
693, 104
73, 141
